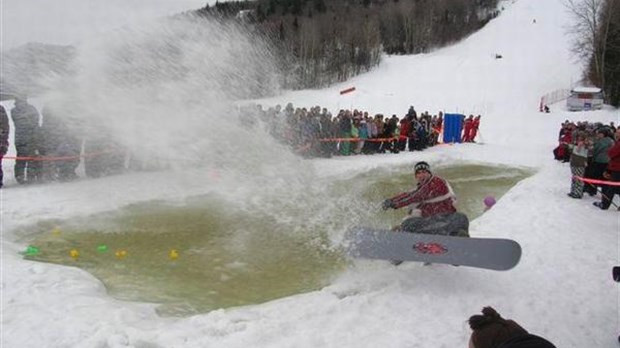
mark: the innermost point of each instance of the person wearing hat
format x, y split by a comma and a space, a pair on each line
612, 173
431, 206
490, 330
604, 141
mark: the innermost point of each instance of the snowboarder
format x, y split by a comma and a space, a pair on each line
431, 206
490, 330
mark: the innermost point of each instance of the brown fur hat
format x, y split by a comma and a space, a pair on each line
490, 329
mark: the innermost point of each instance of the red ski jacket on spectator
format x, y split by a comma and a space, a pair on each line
425, 196
473, 131
467, 129
614, 157
405, 126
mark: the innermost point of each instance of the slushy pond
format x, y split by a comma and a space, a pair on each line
202, 254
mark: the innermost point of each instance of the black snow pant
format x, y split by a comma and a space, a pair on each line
609, 191
594, 170
455, 224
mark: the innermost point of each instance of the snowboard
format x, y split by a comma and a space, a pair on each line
489, 253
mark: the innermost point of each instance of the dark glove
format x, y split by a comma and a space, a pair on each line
387, 204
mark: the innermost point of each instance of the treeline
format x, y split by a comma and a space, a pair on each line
327, 41
604, 67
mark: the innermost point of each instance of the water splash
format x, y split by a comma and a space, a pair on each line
167, 91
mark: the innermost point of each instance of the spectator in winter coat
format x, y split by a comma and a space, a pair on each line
57, 141
612, 173
490, 330
561, 152
4, 138
473, 132
467, 124
405, 128
26, 121
431, 206
363, 135
578, 163
604, 141
344, 131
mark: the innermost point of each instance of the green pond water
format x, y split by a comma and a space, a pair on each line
201, 254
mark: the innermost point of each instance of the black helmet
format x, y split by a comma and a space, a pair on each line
422, 166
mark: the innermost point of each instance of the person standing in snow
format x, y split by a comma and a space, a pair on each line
26, 121
467, 124
431, 206
578, 163
58, 141
4, 137
612, 173
490, 330
604, 141
473, 132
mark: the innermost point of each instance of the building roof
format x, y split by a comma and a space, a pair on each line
586, 89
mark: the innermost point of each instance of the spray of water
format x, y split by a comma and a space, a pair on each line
167, 89
168, 93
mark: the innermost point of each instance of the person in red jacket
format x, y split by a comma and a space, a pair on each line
467, 128
405, 128
612, 173
473, 132
431, 206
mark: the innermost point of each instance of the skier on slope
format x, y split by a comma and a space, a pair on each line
431, 206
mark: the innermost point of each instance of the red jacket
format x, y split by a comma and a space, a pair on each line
435, 187
405, 125
614, 157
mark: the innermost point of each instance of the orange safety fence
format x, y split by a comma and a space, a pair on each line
597, 182
59, 158
354, 140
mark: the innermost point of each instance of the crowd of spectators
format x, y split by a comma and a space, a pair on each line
315, 132
593, 152
47, 149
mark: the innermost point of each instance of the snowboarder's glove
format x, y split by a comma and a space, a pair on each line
387, 204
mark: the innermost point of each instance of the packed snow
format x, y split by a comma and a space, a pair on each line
562, 288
